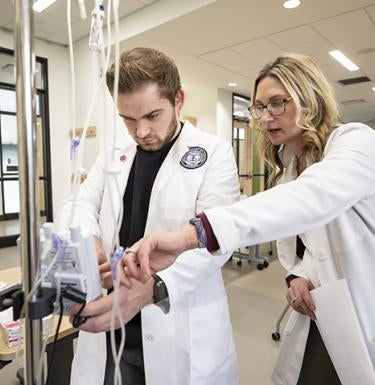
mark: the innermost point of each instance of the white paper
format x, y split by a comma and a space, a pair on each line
340, 329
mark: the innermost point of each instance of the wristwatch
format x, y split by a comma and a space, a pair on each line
160, 296
202, 237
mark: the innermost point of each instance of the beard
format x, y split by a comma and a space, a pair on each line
161, 142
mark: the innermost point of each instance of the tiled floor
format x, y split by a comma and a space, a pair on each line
256, 299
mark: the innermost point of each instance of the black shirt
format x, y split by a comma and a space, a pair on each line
136, 201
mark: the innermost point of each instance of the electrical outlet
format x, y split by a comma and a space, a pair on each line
91, 131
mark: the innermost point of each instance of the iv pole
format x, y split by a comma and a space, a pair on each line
28, 175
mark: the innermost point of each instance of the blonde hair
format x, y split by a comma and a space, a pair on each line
317, 110
141, 66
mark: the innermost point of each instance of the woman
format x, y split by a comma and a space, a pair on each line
325, 193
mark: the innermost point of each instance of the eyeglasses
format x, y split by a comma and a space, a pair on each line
275, 107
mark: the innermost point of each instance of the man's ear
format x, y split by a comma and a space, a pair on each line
179, 100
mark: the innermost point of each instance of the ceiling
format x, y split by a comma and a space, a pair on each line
241, 35
51, 23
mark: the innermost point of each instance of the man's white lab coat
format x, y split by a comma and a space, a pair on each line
193, 343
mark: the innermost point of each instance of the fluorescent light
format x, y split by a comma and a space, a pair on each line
41, 5
232, 84
345, 61
291, 4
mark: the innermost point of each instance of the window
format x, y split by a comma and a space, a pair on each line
250, 166
9, 176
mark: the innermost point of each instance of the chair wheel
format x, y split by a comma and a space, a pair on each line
260, 266
276, 336
265, 264
239, 263
270, 252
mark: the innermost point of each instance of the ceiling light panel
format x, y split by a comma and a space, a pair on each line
41, 5
344, 60
289, 4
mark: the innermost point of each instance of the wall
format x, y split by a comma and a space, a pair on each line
224, 114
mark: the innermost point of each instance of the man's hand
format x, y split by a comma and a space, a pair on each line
299, 297
130, 302
104, 265
156, 252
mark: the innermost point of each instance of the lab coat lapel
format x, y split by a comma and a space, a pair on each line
115, 190
171, 163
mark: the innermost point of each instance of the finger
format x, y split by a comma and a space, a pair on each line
291, 297
144, 256
104, 267
125, 278
130, 261
305, 310
307, 298
133, 269
106, 280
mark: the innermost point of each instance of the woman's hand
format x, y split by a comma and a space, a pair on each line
156, 252
299, 297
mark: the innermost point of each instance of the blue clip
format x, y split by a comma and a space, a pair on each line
115, 258
59, 245
73, 147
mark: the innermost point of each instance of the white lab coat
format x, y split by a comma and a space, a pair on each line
193, 343
332, 205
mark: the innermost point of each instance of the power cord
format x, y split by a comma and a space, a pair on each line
54, 342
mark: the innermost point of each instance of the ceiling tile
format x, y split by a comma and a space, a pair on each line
228, 59
343, 26
367, 64
58, 10
343, 93
47, 26
352, 43
335, 71
371, 12
295, 36
253, 48
6, 14
316, 49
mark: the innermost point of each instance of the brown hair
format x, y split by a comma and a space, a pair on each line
141, 66
317, 110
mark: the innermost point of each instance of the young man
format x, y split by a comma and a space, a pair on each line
170, 171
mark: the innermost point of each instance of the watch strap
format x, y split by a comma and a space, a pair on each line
201, 233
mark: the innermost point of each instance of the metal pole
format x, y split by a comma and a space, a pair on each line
28, 175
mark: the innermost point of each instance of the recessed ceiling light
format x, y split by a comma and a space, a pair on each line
345, 61
41, 5
291, 4
373, 88
232, 84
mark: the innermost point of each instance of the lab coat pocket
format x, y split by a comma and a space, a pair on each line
211, 339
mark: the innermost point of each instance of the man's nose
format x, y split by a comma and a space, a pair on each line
142, 129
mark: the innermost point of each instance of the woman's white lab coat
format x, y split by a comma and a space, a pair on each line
193, 343
332, 205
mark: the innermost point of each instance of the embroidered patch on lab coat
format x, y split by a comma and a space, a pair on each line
194, 158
